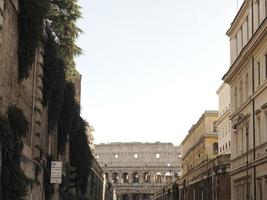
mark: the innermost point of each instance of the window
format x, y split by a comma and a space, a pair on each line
225, 145
116, 156
115, 177
246, 86
229, 143
157, 155
259, 190
259, 127
241, 92
259, 73
135, 155
215, 148
235, 98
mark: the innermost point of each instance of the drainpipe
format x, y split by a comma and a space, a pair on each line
253, 132
247, 140
33, 100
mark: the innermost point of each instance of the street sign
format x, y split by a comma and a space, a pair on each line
56, 172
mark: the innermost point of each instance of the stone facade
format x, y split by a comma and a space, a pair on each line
247, 77
223, 124
210, 180
27, 95
201, 143
137, 170
204, 175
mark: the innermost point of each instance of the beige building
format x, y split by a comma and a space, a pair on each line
201, 143
247, 77
223, 125
204, 174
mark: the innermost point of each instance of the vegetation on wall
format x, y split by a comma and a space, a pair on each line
12, 128
31, 25
60, 18
54, 80
72, 124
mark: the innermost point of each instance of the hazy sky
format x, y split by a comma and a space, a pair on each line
151, 67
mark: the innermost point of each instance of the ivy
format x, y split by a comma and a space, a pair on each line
80, 154
12, 129
54, 80
72, 124
60, 18
31, 27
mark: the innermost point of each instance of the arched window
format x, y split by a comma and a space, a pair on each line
158, 177
215, 148
147, 177
125, 177
168, 177
135, 177
115, 177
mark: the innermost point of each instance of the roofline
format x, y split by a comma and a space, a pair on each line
236, 17
207, 112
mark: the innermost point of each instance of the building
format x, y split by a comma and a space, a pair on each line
201, 142
90, 130
247, 77
223, 124
204, 174
138, 170
98, 186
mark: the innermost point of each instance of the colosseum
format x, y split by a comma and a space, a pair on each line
138, 170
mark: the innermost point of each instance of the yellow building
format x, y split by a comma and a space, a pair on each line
247, 77
201, 143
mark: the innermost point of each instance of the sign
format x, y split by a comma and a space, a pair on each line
56, 172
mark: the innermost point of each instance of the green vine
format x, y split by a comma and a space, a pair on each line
60, 18
12, 129
54, 80
31, 28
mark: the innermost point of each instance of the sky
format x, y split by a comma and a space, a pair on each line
150, 68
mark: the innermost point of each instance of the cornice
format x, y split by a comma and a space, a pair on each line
242, 10
246, 52
200, 120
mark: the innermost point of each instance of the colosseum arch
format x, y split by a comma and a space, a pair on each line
157, 177
135, 177
168, 177
115, 177
125, 177
147, 177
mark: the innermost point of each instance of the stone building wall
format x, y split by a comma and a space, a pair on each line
8, 54
26, 95
201, 143
138, 168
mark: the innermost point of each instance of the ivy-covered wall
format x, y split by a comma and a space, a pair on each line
37, 63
